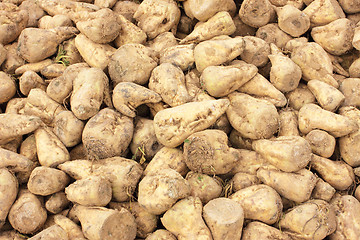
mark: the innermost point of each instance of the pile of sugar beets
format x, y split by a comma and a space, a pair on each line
189, 120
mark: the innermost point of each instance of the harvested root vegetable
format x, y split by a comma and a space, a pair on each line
169, 82
322, 12
159, 190
50, 150
100, 26
261, 88
146, 222
57, 202
205, 9
123, 174
68, 128
250, 162
288, 123
161, 42
323, 191
207, 152
348, 145
288, 153
13, 60
99, 223
36, 67
300, 96
14, 161
219, 81
225, 218
327, 96
322, 143
314, 219
2, 54
337, 173
129, 33
127, 96
259, 202
256, 13
347, 220
90, 191
187, 211
248, 122
335, 37
311, 117
72, 229
217, 51
203, 186
271, 33
296, 186
285, 75
60, 87
27, 215
31, 38
52, 233
258, 230
9, 190
38, 103
7, 87
350, 6
243, 180
350, 88
95, 54
144, 144
219, 24
132, 63
157, 16
102, 142
9, 121
292, 20
256, 51
173, 126
13, 20
90, 82
48, 22
30, 80
314, 63
181, 56
66, 7
45, 181
168, 158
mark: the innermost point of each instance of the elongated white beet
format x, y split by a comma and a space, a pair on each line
288, 153
174, 125
335, 124
185, 220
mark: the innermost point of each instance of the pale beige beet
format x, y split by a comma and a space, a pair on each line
44, 181
347, 219
173, 126
225, 218
288, 153
155, 187
314, 219
259, 202
99, 223
27, 215
250, 122
185, 220
9, 189
207, 152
